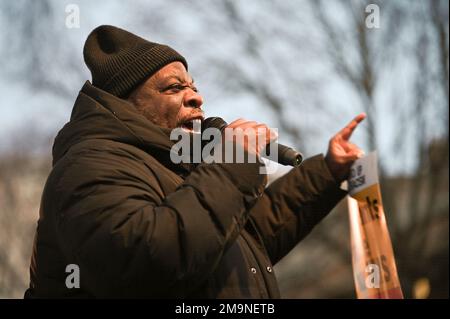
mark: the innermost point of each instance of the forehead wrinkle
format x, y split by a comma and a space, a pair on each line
176, 75
160, 78
179, 79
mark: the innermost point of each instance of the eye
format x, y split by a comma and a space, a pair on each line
176, 87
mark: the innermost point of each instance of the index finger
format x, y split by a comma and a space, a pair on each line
347, 131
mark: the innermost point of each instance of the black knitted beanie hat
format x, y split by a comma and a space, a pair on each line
119, 60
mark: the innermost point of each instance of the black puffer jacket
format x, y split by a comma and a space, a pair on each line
139, 226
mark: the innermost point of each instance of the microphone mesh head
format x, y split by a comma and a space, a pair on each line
215, 122
212, 122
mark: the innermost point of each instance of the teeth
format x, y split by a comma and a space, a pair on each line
196, 126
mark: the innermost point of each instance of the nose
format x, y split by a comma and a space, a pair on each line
193, 99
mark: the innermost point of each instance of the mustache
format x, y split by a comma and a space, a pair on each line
192, 115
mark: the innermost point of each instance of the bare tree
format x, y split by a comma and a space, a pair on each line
424, 191
38, 49
22, 175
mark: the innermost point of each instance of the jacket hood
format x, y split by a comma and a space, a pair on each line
100, 115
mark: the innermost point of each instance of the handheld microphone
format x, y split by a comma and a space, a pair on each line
286, 155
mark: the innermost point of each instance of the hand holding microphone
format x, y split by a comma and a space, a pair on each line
252, 142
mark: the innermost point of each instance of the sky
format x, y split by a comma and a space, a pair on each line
42, 111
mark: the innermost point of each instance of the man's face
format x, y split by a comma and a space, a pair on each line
169, 98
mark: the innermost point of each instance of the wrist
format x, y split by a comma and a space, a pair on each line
333, 167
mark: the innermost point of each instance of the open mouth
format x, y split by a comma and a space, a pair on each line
192, 125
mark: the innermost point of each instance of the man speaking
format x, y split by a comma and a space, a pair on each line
137, 225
